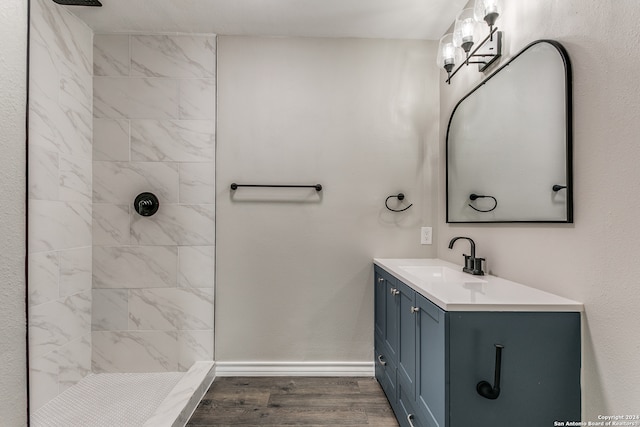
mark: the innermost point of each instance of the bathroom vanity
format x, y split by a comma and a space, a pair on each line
457, 350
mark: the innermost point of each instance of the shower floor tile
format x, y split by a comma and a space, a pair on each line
109, 400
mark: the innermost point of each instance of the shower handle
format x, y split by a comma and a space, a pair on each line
146, 204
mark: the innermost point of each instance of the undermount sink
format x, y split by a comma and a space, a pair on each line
440, 274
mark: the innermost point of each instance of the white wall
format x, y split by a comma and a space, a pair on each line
595, 259
294, 268
13, 91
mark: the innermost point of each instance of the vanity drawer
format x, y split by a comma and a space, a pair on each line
386, 374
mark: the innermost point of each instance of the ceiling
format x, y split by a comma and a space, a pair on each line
388, 19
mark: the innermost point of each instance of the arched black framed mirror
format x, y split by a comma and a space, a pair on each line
509, 142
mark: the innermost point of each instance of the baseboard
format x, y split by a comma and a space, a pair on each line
302, 369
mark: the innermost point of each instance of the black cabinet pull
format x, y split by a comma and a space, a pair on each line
484, 388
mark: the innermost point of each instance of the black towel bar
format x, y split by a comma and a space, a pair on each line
235, 186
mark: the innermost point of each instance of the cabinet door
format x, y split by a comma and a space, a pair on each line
380, 305
407, 344
540, 369
391, 331
386, 314
386, 333
431, 381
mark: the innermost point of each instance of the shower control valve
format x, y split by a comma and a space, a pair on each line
146, 204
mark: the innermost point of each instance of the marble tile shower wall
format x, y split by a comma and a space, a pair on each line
59, 259
154, 130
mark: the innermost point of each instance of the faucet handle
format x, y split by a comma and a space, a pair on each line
477, 266
473, 265
468, 263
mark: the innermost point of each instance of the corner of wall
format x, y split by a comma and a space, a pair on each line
13, 90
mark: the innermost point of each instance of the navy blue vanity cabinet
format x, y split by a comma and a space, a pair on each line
380, 306
386, 332
441, 357
398, 329
407, 346
540, 368
422, 400
432, 368
391, 337
407, 355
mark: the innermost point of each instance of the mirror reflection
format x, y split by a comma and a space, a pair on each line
509, 143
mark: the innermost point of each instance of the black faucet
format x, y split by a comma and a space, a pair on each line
472, 265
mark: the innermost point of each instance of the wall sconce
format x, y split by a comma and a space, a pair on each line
465, 36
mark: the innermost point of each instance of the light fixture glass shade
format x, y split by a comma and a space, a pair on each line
465, 29
448, 54
487, 11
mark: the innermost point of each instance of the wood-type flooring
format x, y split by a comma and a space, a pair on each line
294, 401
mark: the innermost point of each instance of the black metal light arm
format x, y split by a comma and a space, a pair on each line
473, 54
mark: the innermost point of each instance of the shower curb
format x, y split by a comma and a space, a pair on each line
176, 409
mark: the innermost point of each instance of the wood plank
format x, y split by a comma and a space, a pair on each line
302, 401
282, 416
334, 400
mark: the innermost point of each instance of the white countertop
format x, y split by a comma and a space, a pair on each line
479, 293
